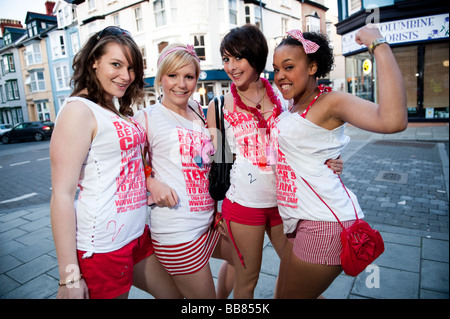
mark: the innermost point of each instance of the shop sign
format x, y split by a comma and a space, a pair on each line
404, 31
367, 66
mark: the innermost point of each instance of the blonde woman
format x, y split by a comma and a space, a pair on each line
180, 145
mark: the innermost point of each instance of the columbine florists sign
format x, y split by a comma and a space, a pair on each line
404, 31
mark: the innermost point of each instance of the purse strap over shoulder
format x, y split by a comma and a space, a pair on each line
220, 122
356, 214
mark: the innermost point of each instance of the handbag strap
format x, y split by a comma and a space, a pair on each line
340, 223
220, 123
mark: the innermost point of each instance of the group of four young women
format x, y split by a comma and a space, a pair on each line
105, 242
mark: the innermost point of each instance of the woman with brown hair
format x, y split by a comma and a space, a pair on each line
102, 242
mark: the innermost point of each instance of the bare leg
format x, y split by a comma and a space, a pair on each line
225, 280
199, 285
149, 275
302, 280
249, 240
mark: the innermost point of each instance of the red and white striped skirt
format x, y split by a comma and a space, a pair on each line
187, 258
318, 242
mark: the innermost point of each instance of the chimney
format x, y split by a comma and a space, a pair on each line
9, 23
49, 5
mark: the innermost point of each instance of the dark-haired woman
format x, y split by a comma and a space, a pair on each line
102, 242
312, 131
250, 109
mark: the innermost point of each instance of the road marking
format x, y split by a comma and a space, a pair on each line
43, 159
18, 198
20, 163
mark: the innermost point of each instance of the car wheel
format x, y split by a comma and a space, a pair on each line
5, 139
38, 137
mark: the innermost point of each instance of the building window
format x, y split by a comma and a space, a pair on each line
258, 16
75, 42
174, 13
62, 77
248, 18
12, 90
313, 23
2, 93
435, 80
43, 111
8, 64
7, 39
36, 81
34, 27
160, 12
232, 9
407, 61
144, 57
207, 93
32, 54
199, 46
58, 45
60, 16
162, 45
353, 6
138, 18
359, 83
91, 4
116, 20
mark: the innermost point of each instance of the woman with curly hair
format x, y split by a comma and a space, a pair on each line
102, 242
312, 131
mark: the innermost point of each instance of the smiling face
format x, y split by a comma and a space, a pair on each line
294, 74
239, 70
114, 72
178, 86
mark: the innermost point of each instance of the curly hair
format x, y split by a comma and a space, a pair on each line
84, 76
323, 57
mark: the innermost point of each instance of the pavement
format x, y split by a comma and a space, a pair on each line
401, 180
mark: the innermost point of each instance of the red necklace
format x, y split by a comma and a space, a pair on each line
262, 122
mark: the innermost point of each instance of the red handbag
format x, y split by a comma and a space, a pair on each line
361, 244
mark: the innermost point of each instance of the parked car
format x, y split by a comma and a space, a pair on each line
5, 128
36, 131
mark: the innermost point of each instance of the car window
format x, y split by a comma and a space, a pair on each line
34, 125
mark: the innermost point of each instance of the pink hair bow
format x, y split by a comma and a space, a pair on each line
189, 49
308, 46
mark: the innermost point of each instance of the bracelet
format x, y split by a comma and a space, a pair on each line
147, 171
376, 43
71, 281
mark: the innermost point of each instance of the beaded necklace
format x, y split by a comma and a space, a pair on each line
262, 122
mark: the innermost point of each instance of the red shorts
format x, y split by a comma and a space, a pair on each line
109, 275
248, 216
318, 242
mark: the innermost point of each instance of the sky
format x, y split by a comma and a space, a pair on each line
17, 9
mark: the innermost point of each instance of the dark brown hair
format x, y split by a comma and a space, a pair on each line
246, 42
84, 76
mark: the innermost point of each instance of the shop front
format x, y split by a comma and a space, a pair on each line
421, 47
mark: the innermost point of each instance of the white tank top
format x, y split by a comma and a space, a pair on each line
111, 207
251, 185
172, 140
303, 148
